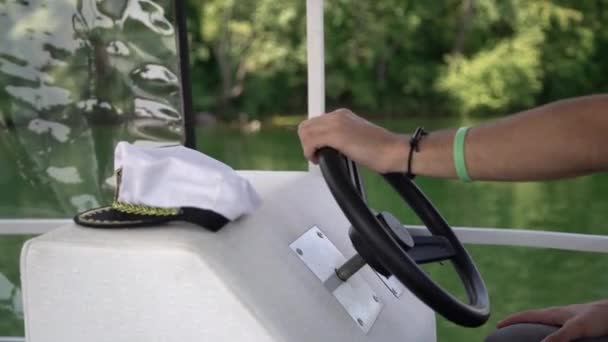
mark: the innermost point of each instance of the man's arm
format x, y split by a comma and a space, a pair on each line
562, 139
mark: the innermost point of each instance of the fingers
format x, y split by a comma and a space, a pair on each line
572, 330
313, 134
319, 132
551, 316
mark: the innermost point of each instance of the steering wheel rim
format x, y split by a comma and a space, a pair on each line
394, 258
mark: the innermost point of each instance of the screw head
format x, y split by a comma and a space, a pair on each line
376, 299
319, 234
299, 251
360, 321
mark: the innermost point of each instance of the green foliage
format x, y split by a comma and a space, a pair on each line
399, 56
249, 45
547, 55
507, 76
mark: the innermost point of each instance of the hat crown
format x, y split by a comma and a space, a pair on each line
176, 177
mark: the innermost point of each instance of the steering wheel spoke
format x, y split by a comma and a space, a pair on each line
429, 249
422, 249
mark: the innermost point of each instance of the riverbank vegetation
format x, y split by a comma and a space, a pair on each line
398, 57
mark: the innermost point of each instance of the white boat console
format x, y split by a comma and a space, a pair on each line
182, 283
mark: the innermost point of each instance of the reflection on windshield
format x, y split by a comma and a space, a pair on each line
77, 76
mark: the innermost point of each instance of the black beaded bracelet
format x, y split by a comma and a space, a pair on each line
414, 141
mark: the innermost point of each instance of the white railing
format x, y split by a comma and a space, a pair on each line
468, 235
30, 226
526, 238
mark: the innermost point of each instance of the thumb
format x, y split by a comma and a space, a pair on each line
572, 330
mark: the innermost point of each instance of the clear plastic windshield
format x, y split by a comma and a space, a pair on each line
76, 77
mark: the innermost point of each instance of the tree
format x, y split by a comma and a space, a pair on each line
400, 56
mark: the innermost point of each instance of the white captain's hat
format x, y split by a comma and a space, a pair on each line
160, 184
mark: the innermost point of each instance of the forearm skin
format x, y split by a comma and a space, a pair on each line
563, 139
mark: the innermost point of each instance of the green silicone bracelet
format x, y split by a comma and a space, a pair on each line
459, 162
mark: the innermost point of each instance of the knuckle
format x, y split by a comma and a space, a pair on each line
338, 120
301, 128
345, 116
332, 117
306, 152
336, 113
342, 113
304, 132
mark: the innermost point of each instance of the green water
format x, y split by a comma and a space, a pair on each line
517, 278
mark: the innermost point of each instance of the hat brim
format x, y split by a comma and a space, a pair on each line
110, 218
107, 217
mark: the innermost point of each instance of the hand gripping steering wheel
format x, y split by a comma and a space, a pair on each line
384, 244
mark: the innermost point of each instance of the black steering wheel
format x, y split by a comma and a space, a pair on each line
391, 250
